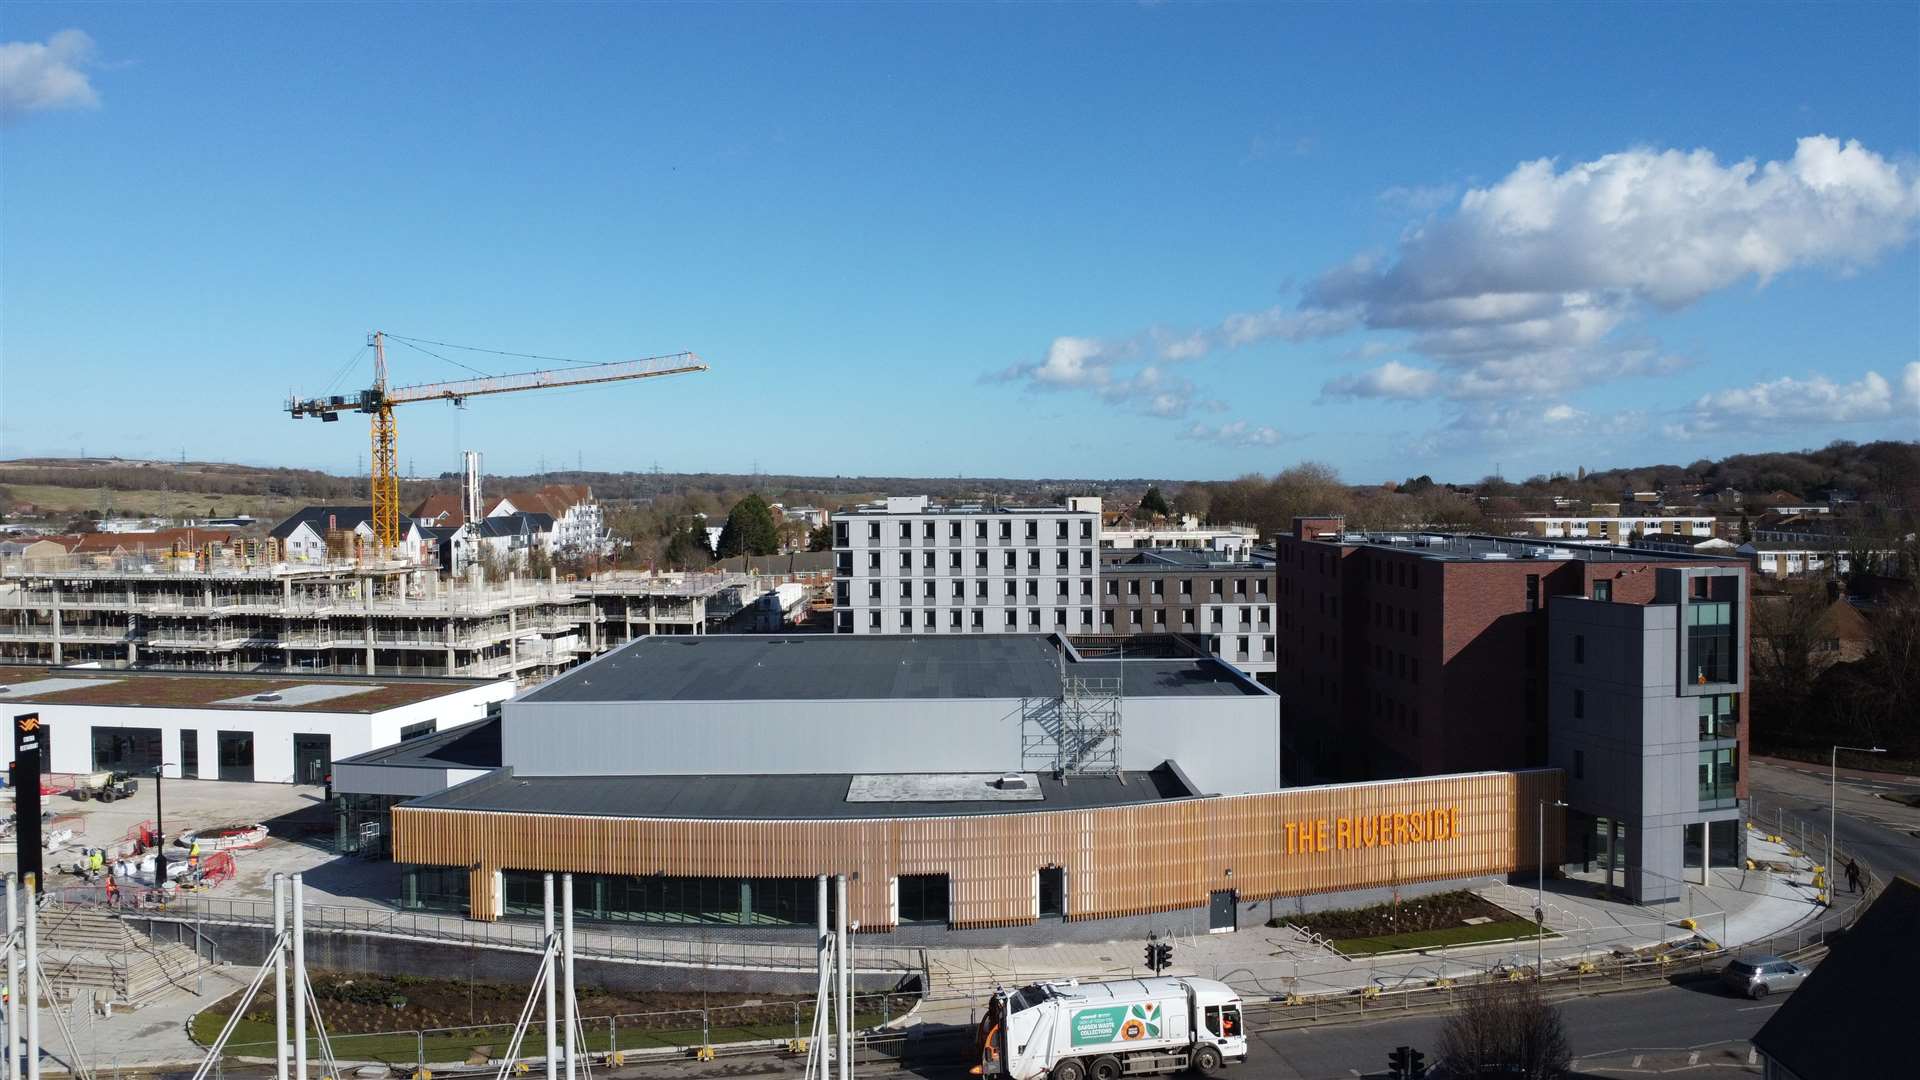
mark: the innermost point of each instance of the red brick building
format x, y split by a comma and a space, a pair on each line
1418, 654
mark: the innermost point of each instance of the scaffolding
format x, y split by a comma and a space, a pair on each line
1076, 734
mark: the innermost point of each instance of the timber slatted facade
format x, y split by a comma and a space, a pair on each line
1126, 860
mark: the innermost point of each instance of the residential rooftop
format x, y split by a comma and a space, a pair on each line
734, 667
803, 797
1173, 560
1475, 547
220, 690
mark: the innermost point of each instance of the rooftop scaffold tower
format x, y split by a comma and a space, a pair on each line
1079, 733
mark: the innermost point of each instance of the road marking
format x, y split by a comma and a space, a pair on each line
1637, 1058
1757, 1008
1693, 1058
1753, 1055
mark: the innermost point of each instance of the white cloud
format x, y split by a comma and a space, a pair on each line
1518, 292
36, 75
1793, 402
1392, 379
1420, 198
1236, 433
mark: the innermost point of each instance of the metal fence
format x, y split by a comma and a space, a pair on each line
593, 941
679, 1032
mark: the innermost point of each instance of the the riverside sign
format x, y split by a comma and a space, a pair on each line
1357, 832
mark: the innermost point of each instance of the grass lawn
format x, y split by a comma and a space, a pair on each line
1501, 930
254, 1038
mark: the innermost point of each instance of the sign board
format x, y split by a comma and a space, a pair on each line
29, 739
1116, 1023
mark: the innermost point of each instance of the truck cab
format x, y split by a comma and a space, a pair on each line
1110, 1029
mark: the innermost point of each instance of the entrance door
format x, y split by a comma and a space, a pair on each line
236, 755
1053, 892
1223, 912
312, 758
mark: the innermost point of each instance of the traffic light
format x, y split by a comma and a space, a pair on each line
1406, 1063
1416, 1065
1164, 953
1153, 958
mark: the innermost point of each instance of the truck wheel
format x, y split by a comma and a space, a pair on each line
1206, 1061
1070, 1069
1104, 1067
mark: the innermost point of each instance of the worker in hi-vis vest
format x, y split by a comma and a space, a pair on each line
193, 857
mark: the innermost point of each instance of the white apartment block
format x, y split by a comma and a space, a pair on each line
1619, 529
909, 566
1188, 535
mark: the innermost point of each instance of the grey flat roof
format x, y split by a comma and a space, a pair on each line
1174, 560
1474, 547
740, 667
466, 746
772, 797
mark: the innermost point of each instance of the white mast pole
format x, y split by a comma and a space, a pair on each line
553, 1028
280, 976
566, 944
299, 979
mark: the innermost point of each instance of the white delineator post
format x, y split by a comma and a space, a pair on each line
553, 1028
846, 980
566, 946
30, 946
279, 976
13, 979
299, 979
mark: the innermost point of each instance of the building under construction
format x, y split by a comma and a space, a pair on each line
223, 612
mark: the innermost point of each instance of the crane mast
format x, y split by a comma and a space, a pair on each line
378, 401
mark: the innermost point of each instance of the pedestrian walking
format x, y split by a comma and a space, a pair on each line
113, 891
193, 857
1853, 876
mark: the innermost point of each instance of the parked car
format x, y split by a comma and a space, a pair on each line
1758, 976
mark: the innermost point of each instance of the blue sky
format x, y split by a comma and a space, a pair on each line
1175, 240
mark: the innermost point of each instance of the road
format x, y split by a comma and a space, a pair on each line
1685, 1028
1883, 834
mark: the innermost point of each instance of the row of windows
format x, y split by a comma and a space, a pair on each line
1010, 589
1062, 560
976, 619
1398, 713
1397, 664
1158, 587
1029, 528
1389, 617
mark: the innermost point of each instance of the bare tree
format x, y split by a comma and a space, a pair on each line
1505, 1030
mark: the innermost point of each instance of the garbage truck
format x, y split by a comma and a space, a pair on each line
1074, 1030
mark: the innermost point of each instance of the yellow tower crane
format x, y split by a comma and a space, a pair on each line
379, 401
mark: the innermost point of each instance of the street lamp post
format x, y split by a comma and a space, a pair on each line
1540, 892
1833, 802
159, 831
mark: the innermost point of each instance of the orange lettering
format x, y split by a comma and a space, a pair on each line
1289, 837
1320, 835
1399, 828
1453, 821
1369, 831
1416, 827
1343, 833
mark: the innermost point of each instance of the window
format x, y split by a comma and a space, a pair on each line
906, 530
1006, 530
1533, 592
928, 620
1011, 561
959, 590
979, 619
906, 620
126, 749
1579, 704
1086, 588
1033, 588
1060, 560
873, 590
1106, 618
979, 560
1217, 583
926, 530
1260, 586
1060, 529
953, 560
1086, 530
1133, 586
1113, 587
413, 731
906, 590
1719, 776
1710, 655
1719, 717
873, 620
1240, 586
1033, 560
1186, 586
1159, 587
953, 530
926, 560
923, 899
1013, 589
1033, 618
1086, 560
1033, 529
236, 755
1133, 617
1603, 591
1579, 764
1062, 588
1013, 619
1579, 648
873, 530
980, 589
873, 561
1060, 617
1240, 650
980, 530
190, 753
906, 560
1086, 616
